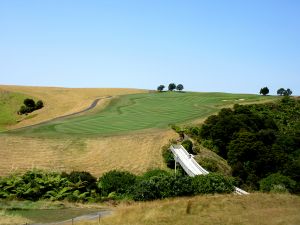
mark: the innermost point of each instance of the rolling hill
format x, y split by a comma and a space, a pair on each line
125, 132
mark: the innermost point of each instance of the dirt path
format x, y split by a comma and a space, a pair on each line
93, 105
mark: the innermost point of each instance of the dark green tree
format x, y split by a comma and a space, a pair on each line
28, 102
277, 182
172, 87
288, 92
39, 104
179, 87
160, 87
264, 91
281, 91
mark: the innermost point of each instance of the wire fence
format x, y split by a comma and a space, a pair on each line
95, 217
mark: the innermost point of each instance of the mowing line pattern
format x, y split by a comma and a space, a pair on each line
143, 111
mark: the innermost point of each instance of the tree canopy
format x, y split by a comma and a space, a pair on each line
257, 140
161, 87
264, 91
179, 87
172, 87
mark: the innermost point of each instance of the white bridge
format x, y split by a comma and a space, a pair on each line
191, 167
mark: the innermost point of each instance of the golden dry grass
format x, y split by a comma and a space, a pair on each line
254, 209
6, 219
62, 101
134, 152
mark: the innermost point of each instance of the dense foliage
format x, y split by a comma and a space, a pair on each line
82, 186
264, 91
161, 87
282, 91
172, 87
257, 140
30, 106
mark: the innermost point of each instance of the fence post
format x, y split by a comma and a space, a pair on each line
72, 221
99, 218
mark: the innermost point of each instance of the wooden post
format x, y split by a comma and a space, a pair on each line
99, 218
72, 221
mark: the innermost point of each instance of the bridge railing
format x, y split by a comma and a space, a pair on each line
201, 170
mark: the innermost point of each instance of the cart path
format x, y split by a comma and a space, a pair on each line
93, 105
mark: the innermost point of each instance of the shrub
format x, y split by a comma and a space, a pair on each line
188, 145
162, 186
145, 190
168, 157
277, 183
28, 102
82, 181
29, 106
116, 181
39, 104
154, 172
212, 183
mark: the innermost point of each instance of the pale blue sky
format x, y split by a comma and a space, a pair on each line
228, 46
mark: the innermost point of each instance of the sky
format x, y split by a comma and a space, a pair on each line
217, 45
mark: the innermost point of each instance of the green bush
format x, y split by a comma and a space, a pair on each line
28, 102
212, 183
154, 172
168, 157
188, 145
82, 180
116, 181
145, 190
277, 183
162, 186
39, 104
30, 106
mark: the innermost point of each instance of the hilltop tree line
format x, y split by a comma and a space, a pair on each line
280, 91
261, 142
30, 105
171, 87
114, 185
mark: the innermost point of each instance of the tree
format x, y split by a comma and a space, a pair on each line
39, 104
288, 92
29, 103
179, 87
281, 91
160, 88
264, 91
274, 181
172, 87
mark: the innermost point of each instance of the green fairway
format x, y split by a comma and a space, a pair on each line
143, 111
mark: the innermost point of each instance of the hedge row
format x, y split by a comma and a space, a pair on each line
82, 186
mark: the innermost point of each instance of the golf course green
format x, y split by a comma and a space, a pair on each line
142, 111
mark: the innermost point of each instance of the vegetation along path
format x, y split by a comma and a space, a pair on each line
142, 111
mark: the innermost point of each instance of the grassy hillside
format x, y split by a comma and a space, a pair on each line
143, 111
254, 209
114, 138
134, 152
10, 103
60, 101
